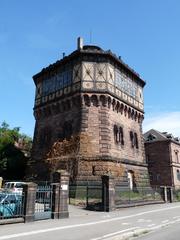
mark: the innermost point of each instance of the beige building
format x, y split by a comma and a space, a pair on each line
163, 158
89, 112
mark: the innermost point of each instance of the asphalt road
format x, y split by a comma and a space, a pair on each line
171, 232
87, 225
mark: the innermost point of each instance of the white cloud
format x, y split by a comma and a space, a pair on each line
163, 122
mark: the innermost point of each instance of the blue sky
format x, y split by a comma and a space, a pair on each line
145, 33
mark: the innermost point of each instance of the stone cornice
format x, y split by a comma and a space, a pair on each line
100, 158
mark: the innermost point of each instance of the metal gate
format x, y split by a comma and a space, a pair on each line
43, 205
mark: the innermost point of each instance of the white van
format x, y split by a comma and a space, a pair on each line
15, 187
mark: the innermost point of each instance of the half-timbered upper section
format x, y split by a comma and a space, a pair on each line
89, 69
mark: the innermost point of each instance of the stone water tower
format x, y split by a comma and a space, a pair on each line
89, 112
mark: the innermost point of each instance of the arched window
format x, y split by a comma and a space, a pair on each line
121, 136
116, 134
131, 138
136, 140
93, 171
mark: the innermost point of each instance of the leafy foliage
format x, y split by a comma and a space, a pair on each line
13, 146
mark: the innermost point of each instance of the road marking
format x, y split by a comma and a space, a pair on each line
177, 220
148, 220
82, 224
176, 217
115, 233
141, 220
151, 225
125, 223
165, 221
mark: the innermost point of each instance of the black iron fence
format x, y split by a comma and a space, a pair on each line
126, 196
91, 196
176, 194
94, 197
78, 195
88, 196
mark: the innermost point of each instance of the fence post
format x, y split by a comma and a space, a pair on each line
1, 181
29, 191
171, 194
164, 193
87, 196
60, 195
108, 193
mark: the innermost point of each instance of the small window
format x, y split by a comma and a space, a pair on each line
136, 140
176, 156
115, 134
93, 171
131, 138
178, 174
121, 136
158, 177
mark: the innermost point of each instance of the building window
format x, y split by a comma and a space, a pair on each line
158, 177
115, 134
134, 139
118, 135
121, 136
131, 138
176, 156
178, 174
93, 171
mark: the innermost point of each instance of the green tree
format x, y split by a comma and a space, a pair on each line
14, 149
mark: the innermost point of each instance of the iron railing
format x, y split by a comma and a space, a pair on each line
85, 195
11, 205
127, 196
43, 205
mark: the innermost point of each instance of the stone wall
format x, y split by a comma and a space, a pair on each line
89, 111
99, 152
48, 134
90, 150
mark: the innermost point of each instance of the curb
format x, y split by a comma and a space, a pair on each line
131, 234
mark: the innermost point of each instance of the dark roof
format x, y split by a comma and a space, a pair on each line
154, 135
91, 50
